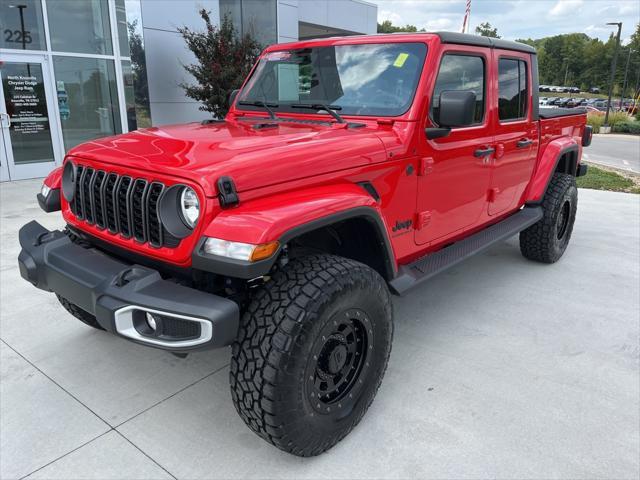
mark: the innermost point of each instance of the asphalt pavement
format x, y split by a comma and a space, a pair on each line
501, 368
615, 150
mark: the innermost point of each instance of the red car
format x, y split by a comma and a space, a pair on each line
347, 170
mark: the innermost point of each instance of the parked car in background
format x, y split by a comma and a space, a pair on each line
593, 110
594, 90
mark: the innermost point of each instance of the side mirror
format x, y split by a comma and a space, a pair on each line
457, 108
232, 96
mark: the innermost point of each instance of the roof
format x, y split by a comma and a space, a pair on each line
480, 41
444, 37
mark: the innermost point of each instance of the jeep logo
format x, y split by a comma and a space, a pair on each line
401, 225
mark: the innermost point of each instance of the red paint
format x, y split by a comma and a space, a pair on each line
54, 178
295, 173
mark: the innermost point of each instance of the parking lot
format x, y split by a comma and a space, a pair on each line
501, 368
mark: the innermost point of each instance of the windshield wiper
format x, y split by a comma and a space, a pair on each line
259, 103
321, 106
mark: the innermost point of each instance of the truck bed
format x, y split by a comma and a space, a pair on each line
560, 112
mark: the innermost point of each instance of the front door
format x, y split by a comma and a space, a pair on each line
516, 134
29, 140
454, 176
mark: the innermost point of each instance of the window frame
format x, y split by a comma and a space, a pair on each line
462, 53
528, 108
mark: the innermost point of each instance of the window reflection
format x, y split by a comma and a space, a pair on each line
254, 17
21, 24
88, 87
80, 26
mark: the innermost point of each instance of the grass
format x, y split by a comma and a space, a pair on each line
600, 179
596, 120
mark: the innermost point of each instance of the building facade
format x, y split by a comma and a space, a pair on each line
74, 70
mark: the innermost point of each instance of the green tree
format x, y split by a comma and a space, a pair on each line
388, 27
224, 58
486, 30
139, 71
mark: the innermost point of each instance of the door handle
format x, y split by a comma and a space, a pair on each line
483, 152
2, 116
525, 142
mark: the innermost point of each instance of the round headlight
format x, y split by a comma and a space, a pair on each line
189, 207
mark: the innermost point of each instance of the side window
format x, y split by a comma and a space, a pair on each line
512, 89
460, 72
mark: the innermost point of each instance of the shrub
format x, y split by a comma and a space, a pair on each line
627, 127
224, 60
595, 121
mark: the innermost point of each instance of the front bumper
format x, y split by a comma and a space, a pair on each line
120, 294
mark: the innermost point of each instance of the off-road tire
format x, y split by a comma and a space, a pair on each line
82, 315
273, 365
546, 240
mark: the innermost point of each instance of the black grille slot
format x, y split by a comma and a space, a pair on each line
176, 328
122, 202
138, 193
123, 205
85, 194
76, 204
98, 198
154, 227
109, 203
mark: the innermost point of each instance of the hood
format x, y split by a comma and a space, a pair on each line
253, 154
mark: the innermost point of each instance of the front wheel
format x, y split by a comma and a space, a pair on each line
311, 352
546, 240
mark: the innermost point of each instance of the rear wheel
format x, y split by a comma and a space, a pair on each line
311, 352
546, 240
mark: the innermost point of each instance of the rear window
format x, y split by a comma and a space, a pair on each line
512, 89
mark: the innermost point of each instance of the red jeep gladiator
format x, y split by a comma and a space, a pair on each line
347, 169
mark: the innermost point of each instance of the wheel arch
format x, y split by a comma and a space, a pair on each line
560, 156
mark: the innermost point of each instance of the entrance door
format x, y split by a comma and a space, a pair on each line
29, 146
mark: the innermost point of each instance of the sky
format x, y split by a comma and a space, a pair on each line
517, 18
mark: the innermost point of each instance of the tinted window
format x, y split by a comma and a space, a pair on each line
460, 72
368, 79
512, 89
81, 27
15, 15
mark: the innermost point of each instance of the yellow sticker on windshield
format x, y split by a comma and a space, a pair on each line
400, 59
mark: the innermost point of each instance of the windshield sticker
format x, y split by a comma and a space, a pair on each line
400, 59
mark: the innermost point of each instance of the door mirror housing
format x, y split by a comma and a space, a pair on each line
232, 96
457, 108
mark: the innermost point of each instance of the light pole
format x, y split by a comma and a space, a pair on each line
606, 127
566, 71
624, 84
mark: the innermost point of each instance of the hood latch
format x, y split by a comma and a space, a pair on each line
227, 194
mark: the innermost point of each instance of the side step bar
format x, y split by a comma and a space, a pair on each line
424, 268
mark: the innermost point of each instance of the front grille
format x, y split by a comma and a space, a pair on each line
121, 205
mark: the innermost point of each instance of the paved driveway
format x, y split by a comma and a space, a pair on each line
500, 368
615, 150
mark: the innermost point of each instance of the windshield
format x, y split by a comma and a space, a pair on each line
369, 79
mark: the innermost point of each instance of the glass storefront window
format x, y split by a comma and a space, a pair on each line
26, 105
257, 18
22, 25
87, 98
136, 97
80, 26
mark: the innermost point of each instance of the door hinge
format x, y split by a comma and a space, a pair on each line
425, 166
422, 220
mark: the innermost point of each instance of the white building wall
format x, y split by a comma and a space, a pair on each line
351, 15
166, 52
288, 11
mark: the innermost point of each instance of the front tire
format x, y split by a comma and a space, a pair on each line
311, 352
546, 240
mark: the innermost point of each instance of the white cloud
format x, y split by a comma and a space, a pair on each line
387, 15
564, 7
438, 24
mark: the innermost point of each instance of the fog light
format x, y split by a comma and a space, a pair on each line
151, 321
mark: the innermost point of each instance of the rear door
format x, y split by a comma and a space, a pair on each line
454, 177
516, 133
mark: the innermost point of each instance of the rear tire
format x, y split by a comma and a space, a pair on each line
82, 315
546, 240
311, 352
